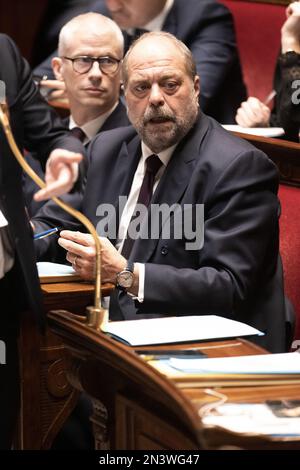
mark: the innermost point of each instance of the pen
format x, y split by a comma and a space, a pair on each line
47, 233
270, 97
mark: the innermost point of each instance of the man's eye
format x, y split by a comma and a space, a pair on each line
141, 88
170, 86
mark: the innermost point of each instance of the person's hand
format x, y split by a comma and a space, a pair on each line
61, 174
253, 113
54, 90
290, 31
81, 252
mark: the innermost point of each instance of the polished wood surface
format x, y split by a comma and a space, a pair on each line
47, 398
285, 154
136, 407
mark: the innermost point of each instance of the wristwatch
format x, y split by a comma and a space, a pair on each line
125, 278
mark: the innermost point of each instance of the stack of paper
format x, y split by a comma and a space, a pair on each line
54, 272
177, 329
236, 371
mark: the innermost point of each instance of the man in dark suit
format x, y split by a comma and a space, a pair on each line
205, 26
93, 92
235, 273
35, 127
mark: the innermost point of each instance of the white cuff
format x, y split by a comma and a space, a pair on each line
141, 268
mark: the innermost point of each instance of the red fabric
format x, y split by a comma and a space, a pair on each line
290, 245
258, 36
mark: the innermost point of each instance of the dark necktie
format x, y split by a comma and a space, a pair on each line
78, 133
153, 164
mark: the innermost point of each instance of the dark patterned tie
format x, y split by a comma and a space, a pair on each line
153, 164
78, 133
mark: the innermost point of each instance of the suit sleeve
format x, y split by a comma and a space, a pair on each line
214, 49
286, 112
240, 246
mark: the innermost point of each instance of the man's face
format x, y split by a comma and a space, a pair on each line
134, 13
93, 89
162, 99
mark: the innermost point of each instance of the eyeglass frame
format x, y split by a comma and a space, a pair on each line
93, 60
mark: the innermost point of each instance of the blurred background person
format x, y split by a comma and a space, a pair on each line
92, 87
286, 111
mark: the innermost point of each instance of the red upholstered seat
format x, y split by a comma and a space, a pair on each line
258, 36
290, 246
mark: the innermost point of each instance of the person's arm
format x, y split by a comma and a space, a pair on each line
287, 75
214, 48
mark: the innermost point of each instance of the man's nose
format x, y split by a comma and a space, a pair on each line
156, 97
95, 71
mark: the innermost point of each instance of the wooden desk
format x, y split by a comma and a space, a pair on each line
47, 399
285, 155
136, 407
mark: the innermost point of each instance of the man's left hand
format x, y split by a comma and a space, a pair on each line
61, 173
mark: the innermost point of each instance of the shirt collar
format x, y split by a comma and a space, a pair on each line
164, 156
91, 128
157, 23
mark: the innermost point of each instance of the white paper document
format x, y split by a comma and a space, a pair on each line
54, 272
259, 131
286, 363
252, 419
178, 329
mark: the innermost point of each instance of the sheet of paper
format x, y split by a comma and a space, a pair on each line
252, 418
54, 269
286, 363
260, 131
178, 329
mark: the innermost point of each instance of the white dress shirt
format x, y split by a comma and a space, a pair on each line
91, 128
132, 200
157, 23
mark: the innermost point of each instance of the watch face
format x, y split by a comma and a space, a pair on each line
125, 279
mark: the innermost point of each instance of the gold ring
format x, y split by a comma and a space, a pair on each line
74, 261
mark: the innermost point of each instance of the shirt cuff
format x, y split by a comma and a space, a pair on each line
141, 268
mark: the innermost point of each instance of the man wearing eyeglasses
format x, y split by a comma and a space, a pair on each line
87, 70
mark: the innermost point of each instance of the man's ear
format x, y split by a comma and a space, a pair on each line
197, 85
56, 63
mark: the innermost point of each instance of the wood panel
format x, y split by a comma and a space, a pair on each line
20, 20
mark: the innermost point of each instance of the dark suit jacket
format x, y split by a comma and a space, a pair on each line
206, 27
36, 127
117, 118
235, 274
286, 112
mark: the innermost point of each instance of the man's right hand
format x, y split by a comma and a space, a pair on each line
57, 89
253, 113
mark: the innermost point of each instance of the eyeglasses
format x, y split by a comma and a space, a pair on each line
83, 64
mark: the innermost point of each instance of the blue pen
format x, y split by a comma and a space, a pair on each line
47, 233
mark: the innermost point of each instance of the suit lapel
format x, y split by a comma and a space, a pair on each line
125, 167
173, 183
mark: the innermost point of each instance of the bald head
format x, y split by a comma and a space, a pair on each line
94, 91
156, 46
161, 90
90, 26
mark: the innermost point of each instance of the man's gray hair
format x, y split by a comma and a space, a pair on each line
186, 53
102, 25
